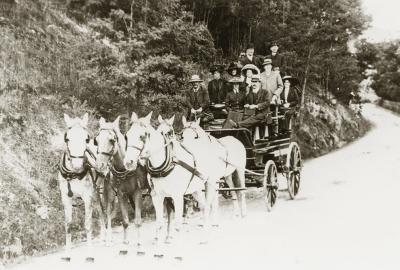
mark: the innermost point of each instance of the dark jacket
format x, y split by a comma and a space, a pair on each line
293, 97
235, 101
278, 61
257, 61
198, 99
217, 91
263, 100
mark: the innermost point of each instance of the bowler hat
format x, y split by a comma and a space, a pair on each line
256, 78
195, 78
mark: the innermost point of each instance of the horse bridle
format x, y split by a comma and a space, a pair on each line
143, 138
66, 140
111, 153
194, 129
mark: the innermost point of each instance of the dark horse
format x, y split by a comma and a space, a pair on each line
119, 182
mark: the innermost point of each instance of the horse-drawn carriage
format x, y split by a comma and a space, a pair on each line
267, 155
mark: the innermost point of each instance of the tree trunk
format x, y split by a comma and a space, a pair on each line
133, 2
145, 11
305, 75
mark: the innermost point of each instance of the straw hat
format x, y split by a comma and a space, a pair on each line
195, 78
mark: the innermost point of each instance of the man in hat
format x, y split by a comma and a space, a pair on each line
277, 59
271, 81
250, 58
198, 101
217, 92
262, 100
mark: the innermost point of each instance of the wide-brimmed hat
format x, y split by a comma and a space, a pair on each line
234, 66
267, 61
235, 80
195, 78
292, 80
216, 67
252, 67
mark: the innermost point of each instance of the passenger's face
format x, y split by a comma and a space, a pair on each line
234, 72
249, 73
255, 86
274, 49
216, 75
250, 52
268, 67
196, 86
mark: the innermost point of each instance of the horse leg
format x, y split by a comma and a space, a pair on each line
158, 202
125, 218
138, 219
214, 210
178, 204
229, 182
67, 202
210, 193
88, 222
170, 212
110, 212
240, 180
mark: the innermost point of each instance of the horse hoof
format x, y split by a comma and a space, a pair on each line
178, 258
89, 259
123, 252
140, 253
66, 259
158, 256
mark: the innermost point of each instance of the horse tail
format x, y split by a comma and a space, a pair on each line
70, 193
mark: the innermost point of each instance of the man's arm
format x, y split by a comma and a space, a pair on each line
265, 100
279, 82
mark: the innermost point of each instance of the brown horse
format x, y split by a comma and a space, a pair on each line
125, 184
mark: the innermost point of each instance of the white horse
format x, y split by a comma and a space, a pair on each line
127, 185
74, 178
175, 172
231, 156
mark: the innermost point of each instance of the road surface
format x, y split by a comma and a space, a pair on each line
346, 216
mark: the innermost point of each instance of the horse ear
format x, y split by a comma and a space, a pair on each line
116, 122
146, 120
160, 119
134, 117
171, 120
184, 122
67, 119
85, 120
198, 122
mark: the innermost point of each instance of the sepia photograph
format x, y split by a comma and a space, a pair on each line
199, 134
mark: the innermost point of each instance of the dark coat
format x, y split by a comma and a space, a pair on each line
217, 91
278, 61
257, 61
293, 97
198, 99
235, 101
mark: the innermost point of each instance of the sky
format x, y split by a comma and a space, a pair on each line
385, 23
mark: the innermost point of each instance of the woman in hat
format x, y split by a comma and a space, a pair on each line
217, 89
235, 99
276, 57
271, 81
248, 71
198, 101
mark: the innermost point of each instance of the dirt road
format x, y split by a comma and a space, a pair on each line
345, 217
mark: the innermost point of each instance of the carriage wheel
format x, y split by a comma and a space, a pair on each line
293, 166
270, 184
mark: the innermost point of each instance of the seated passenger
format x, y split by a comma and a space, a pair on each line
248, 71
235, 99
262, 100
234, 69
217, 92
271, 81
289, 98
234, 102
198, 101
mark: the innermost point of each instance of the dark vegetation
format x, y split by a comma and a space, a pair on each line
114, 57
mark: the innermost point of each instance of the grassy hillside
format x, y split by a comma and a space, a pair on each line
44, 63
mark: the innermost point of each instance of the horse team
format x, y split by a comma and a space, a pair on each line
114, 167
